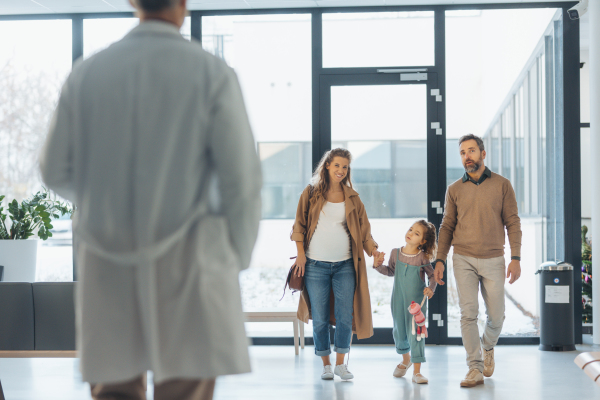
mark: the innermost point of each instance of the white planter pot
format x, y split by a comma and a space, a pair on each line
19, 258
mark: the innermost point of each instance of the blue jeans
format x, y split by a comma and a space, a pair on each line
320, 277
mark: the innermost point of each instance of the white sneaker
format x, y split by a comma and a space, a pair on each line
342, 371
327, 374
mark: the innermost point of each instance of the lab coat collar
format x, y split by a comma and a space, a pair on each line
156, 27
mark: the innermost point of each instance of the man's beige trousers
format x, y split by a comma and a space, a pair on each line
471, 274
177, 389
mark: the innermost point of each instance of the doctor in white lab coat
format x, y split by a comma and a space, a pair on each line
151, 141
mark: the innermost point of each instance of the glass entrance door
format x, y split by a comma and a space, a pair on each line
389, 126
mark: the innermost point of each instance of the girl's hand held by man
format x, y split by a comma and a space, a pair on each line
438, 274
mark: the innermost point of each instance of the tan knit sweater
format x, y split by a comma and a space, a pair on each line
475, 217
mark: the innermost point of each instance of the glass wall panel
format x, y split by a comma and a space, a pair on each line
495, 149
379, 39
385, 129
499, 97
586, 177
271, 55
35, 58
286, 168
100, 33
454, 167
519, 152
507, 141
552, 90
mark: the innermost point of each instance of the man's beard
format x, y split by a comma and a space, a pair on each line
473, 167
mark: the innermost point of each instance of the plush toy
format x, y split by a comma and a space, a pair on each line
419, 319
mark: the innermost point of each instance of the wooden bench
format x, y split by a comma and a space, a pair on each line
279, 316
590, 364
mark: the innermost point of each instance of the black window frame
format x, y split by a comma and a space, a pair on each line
571, 188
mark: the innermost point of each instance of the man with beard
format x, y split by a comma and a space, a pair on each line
478, 207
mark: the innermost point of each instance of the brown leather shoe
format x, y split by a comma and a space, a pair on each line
474, 377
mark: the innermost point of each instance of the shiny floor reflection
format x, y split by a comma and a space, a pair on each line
522, 372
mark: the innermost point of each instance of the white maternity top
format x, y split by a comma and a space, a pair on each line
331, 240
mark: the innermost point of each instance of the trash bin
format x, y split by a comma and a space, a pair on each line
557, 331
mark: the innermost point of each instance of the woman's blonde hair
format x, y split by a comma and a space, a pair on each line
320, 178
430, 237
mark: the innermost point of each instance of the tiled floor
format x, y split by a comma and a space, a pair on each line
522, 372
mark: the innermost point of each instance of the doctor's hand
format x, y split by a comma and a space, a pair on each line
438, 274
514, 271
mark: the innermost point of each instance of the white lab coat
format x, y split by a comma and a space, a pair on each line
151, 141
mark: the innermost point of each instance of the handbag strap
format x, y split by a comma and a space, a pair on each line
289, 275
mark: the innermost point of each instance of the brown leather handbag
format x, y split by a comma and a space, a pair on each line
294, 282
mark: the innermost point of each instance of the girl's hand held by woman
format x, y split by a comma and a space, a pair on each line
378, 260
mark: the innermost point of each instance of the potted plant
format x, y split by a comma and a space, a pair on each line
18, 253
586, 280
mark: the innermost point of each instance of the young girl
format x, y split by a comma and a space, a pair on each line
409, 265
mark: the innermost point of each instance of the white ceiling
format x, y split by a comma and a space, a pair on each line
11, 7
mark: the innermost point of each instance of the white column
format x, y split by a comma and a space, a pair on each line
594, 10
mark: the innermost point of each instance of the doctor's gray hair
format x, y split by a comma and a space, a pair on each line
155, 5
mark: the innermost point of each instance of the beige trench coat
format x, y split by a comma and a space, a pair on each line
307, 217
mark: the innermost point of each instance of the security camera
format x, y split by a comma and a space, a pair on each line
577, 11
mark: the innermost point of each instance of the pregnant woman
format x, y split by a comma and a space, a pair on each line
332, 233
